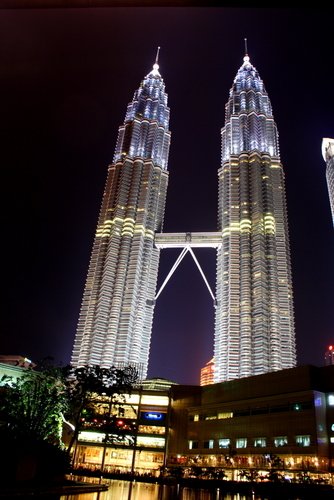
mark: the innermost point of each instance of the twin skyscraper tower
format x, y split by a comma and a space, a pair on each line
254, 323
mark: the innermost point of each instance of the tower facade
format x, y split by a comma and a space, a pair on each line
254, 325
116, 315
328, 155
207, 373
329, 355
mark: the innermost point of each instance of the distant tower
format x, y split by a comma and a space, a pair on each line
207, 373
328, 155
329, 355
254, 331
116, 316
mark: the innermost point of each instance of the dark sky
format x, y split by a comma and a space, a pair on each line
66, 78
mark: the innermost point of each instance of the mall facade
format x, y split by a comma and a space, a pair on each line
282, 420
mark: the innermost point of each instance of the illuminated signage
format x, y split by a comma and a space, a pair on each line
153, 415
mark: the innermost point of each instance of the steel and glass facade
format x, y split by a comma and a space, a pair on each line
141, 432
254, 331
328, 155
254, 323
116, 316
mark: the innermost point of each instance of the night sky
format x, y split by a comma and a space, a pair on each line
66, 78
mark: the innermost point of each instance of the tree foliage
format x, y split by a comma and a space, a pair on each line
86, 381
34, 406
31, 407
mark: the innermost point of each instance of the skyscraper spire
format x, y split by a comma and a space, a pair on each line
157, 56
155, 70
116, 316
254, 316
246, 56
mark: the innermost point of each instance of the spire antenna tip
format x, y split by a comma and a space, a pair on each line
157, 56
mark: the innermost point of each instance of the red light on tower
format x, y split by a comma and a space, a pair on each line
329, 355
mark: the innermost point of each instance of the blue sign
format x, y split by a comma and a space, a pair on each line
153, 415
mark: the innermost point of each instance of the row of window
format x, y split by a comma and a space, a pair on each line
124, 440
305, 405
258, 442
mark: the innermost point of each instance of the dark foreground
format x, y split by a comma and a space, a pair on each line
26, 489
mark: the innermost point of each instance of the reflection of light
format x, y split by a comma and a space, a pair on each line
155, 71
71, 426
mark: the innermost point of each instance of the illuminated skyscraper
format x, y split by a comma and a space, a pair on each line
207, 373
254, 331
254, 327
116, 316
328, 155
329, 355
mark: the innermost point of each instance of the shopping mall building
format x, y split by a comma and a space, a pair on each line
283, 419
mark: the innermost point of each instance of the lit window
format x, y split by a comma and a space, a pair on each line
151, 442
224, 443
129, 398
303, 440
332, 439
208, 444
154, 400
196, 418
280, 441
331, 399
259, 442
151, 429
241, 443
193, 445
225, 415
93, 437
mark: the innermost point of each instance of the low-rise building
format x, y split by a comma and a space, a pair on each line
138, 439
282, 420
